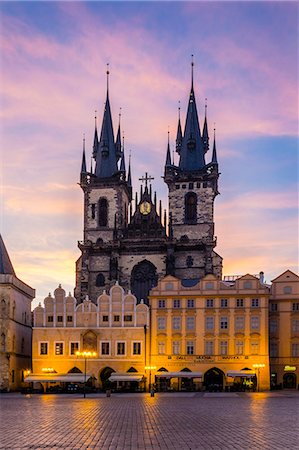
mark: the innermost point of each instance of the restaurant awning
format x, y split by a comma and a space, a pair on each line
57, 377
134, 376
179, 374
241, 373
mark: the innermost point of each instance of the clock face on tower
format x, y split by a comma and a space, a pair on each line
145, 208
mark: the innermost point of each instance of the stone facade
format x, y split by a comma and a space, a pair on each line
16, 332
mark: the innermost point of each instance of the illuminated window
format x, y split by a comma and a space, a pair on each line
209, 323
223, 347
176, 347
161, 348
224, 303
209, 303
209, 347
43, 348
240, 303
161, 303
161, 323
239, 347
58, 348
239, 323
223, 323
105, 348
255, 303
136, 348
121, 348
176, 323
255, 323
190, 348
176, 303
190, 323
190, 303
254, 347
74, 347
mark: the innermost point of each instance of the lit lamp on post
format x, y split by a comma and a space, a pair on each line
85, 355
258, 367
150, 368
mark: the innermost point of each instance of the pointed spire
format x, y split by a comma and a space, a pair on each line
205, 132
192, 151
122, 162
214, 155
6, 267
106, 163
83, 165
95, 139
168, 156
179, 135
118, 139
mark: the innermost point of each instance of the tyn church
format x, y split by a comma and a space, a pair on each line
127, 238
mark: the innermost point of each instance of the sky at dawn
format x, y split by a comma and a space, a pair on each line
53, 77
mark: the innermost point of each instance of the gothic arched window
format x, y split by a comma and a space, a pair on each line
143, 278
190, 207
103, 212
100, 280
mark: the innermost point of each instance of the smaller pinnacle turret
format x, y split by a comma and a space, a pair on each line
83, 165
214, 155
179, 136
168, 156
205, 133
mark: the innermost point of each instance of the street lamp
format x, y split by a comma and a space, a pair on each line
85, 355
258, 367
150, 368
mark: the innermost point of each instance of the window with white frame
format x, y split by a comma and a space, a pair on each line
223, 323
176, 347
239, 323
209, 323
240, 302
273, 325
255, 322
161, 348
162, 303
239, 347
74, 347
176, 323
190, 303
209, 303
161, 323
224, 303
190, 322
176, 303
43, 348
223, 348
190, 348
295, 307
136, 348
120, 348
255, 302
295, 325
58, 348
254, 347
295, 350
105, 348
209, 347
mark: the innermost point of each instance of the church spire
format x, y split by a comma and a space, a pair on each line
168, 156
205, 132
83, 164
122, 162
106, 163
179, 136
118, 139
214, 155
192, 151
6, 267
95, 139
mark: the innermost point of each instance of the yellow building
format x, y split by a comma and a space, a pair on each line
113, 331
284, 330
212, 335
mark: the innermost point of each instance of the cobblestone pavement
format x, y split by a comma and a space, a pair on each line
137, 421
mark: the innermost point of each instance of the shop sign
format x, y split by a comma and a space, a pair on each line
289, 368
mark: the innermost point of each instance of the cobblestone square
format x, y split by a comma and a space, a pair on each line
138, 421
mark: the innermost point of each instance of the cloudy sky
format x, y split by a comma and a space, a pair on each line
53, 78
